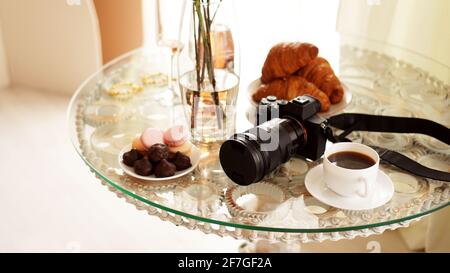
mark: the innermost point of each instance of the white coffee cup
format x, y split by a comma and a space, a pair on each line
350, 182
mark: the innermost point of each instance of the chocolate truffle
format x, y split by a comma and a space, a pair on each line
165, 169
182, 162
171, 157
158, 152
130, 157
143, 167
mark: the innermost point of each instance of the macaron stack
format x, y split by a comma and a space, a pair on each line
177, 139
148, 138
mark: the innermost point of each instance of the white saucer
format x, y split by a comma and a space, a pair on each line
382, 192
195, 159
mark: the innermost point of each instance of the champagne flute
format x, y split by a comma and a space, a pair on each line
169, 20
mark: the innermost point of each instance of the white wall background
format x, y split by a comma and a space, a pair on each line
263, 23
418, 27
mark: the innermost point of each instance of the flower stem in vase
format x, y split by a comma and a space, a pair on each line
196, 95
210, 64
203, 52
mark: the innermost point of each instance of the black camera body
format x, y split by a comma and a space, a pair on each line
284, 128
304, 110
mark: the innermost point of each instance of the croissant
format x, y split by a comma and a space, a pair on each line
284, 59
320, 73
290, 88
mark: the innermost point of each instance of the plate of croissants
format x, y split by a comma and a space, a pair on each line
296, 69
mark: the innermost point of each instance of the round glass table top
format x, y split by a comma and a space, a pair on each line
116, 104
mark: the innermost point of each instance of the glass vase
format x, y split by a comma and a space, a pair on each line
209, 70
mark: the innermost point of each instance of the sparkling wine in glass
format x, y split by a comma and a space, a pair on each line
169, 20
223, 47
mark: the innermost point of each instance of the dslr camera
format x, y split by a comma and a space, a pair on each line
284, 128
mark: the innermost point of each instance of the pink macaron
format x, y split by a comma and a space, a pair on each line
176, 136
152, 136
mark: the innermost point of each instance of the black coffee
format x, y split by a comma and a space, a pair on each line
351, 160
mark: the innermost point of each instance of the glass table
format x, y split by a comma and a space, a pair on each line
115, 104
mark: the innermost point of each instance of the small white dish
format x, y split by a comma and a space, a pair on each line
195, 159
382, 192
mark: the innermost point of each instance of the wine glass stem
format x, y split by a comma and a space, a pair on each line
171, 72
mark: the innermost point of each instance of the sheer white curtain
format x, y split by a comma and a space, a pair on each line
419, 27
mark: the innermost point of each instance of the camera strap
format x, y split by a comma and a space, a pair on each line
349, 122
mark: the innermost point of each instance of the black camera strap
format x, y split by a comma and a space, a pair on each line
370, 123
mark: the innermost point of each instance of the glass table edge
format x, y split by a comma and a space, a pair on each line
260, 228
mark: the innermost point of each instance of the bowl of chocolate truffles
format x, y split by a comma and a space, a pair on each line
158, 155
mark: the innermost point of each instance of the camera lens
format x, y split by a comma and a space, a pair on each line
247, 157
